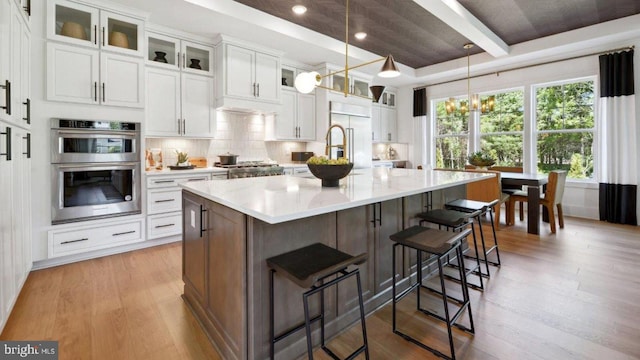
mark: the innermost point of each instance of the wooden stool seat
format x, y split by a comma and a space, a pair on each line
308, 267
309, 264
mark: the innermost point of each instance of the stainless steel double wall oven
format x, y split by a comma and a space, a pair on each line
95, 169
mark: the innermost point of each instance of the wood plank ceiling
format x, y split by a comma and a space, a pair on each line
417, 38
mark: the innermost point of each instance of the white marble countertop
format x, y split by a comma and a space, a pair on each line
276, 199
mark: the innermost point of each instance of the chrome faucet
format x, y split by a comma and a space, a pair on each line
343, 146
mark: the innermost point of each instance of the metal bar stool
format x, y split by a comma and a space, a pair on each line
472, 206
441, 244
457, 221
308, 267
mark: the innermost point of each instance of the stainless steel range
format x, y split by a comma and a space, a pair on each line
95, 170
245, 169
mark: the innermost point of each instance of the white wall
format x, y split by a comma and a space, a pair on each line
580, 199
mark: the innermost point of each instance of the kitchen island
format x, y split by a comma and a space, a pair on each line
231, 227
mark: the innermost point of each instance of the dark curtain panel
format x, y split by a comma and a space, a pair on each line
616, 74
618, 203
420, 102
618, 191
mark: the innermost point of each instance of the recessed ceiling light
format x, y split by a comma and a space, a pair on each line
360, 35
299, 9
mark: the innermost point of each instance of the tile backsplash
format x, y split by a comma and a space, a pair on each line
236, 133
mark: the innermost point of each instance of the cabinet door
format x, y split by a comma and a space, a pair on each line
306, 116
122, 80
121, 34
7, 243
227, 275
163, 51
355, 236
268, 79
196, 58
376, 123
16, 66
72, 23
198, 110
162, 108
25, 77
240, 81
194, 242
286, 118
25, 195
388, 124
5, 54
389, 214
72, 74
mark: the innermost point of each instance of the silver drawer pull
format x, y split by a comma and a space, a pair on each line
198, 179
72, 241
163, 181
124, 233
166, 225
167, 200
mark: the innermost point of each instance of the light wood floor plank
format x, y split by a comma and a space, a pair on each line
572, 295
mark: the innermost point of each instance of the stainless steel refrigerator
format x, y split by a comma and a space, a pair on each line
356, 121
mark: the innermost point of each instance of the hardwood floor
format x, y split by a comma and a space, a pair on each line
572, 295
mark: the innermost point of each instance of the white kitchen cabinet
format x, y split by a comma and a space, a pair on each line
5, 58
251, 74
179, 104
384, 118
247, 77
71, 240
79, 24
81, 75
15, 215
297, 119
164, 203
15, 44
357, 85
179, 54
86, 76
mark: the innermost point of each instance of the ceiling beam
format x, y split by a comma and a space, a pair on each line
452, 13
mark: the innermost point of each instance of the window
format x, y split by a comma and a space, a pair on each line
501, 130
565, 128
451, 138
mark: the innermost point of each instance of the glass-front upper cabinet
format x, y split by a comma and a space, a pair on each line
288, 77
173, 53
355, 86
84, 25
389, 99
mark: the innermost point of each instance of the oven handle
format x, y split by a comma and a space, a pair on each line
99, 166
97, 133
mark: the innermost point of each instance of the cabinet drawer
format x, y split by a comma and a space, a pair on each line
162, 201
73, 241
164, 225
164, 182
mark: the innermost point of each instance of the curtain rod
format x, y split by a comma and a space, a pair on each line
527, 66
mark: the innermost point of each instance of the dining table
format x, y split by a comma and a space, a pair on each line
534, 183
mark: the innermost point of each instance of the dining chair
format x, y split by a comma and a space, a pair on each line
550, 199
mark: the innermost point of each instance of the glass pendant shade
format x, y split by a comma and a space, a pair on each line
305, 82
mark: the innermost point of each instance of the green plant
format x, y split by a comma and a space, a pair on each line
481, 158
182, 157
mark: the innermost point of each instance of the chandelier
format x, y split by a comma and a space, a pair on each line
305, 82
473, 102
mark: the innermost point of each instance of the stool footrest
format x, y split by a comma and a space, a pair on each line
295, 328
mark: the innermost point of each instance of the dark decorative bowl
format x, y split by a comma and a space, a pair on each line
330, 174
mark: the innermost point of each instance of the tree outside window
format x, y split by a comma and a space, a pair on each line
451, 138
565, 128
501, 130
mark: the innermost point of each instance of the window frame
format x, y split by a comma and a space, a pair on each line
535, 132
